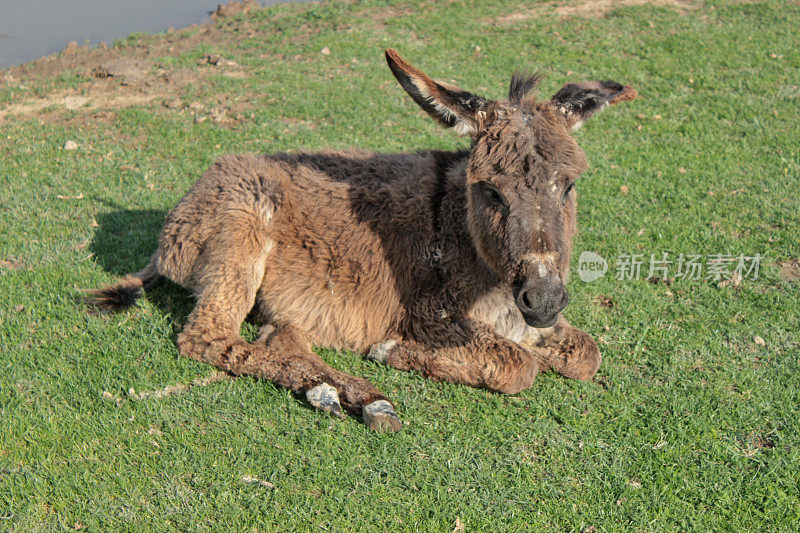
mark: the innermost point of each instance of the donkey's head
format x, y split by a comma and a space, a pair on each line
520, 176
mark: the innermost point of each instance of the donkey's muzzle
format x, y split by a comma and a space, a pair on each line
541, 300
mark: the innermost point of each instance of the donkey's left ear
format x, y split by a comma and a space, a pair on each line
448, 105
579, 101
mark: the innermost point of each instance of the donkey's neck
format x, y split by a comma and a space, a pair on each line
450, 176
461, 259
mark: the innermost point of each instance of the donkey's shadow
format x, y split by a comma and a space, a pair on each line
124, 242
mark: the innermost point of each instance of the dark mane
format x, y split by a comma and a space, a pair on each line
522, 84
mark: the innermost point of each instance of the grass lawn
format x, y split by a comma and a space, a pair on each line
692, 423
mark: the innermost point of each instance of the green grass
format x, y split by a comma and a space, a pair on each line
689, 425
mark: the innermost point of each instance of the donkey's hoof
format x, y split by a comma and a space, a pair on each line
380, 350
380, 416
325, 398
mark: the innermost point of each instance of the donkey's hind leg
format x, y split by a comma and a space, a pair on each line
284, 357
229, 279
287, 360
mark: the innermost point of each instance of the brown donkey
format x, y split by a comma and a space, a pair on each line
452, 264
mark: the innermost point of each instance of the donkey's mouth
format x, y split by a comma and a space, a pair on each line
535, 323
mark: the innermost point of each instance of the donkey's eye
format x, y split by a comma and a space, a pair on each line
493, 195
568, 190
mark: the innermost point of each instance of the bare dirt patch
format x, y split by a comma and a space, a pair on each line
593, 8
111, 84
71, 101
587, 8
758, 443
130, 71
85, 59
234, 8
790, 269
606, 302
127, 75
169, 390
123, 82
10, 264
173, 42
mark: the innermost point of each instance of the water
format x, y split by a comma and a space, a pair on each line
30, 29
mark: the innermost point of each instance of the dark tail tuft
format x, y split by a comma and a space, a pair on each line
122, 295
117, 297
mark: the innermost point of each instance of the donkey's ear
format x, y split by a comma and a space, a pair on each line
447, 104
579, 101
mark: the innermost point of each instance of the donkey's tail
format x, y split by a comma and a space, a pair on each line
123, 294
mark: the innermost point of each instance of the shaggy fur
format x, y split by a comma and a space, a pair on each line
458, 259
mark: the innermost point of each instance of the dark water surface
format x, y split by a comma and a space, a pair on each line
30, 29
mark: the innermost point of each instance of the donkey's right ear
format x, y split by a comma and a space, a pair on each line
447, 104
578, 101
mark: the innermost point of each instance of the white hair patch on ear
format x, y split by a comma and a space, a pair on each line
462, 127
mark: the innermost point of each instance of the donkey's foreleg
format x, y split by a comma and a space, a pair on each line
565, 350
467, 353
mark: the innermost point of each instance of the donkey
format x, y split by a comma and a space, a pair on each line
451, 264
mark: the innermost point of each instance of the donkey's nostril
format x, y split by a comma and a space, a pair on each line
525, 299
